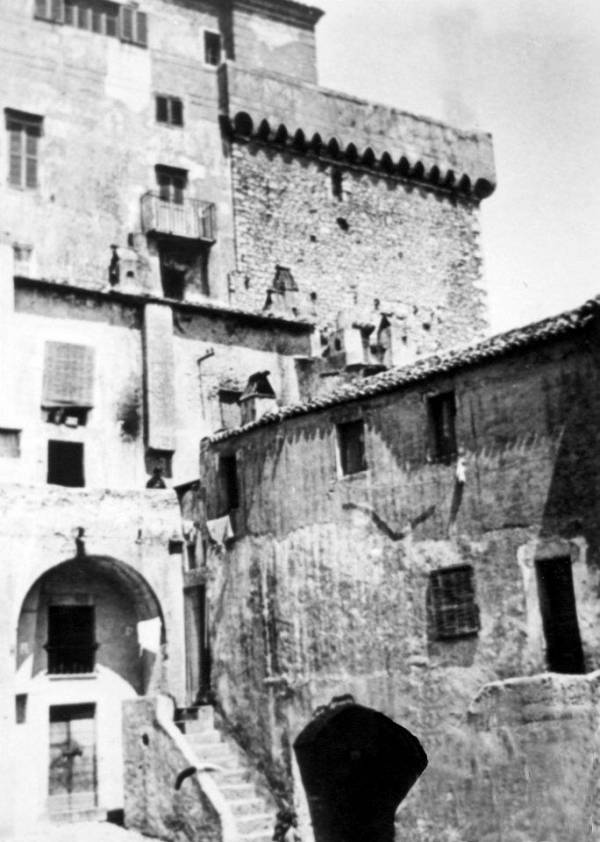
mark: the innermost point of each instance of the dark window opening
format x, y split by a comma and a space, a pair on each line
231, 412
183, 266
351, 442
71, 645
212, 48
21, 708
169, 109
343, 224
451, 607
10, 444
65, 463
337, 184
442, 415
72, 416
228, 476
564, 652
159, 464
24, 132
172, 183
51, 10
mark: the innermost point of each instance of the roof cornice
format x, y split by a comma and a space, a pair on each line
288, 11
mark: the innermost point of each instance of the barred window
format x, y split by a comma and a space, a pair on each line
24, 132
68, 375
451, 607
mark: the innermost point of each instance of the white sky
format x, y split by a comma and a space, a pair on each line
529, 72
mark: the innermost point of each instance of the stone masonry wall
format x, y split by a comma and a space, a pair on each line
324, 592
386, 246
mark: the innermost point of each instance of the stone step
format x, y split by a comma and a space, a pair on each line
237, 792
263, 822
247, 806
222, 756
258, 836
208, 736
236, 775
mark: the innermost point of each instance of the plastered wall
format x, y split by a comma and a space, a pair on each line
324, 592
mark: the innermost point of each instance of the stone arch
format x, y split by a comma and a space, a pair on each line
129, 623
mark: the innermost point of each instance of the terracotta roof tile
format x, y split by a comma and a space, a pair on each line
395, 378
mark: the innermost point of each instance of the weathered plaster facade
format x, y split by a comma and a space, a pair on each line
325, 586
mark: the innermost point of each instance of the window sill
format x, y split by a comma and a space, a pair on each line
355, 477
71, 676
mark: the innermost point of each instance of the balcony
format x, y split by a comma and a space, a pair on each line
191, 219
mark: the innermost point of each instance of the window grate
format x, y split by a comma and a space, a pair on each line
451, 607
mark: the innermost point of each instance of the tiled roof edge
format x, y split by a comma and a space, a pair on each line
395, 378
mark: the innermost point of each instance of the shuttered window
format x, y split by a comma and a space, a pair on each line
68, 375
10, 444
101, 16
452, 610
24, 132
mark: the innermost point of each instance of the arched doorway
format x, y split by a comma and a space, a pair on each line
90, 635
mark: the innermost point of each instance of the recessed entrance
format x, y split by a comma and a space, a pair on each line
72, 784
559, 615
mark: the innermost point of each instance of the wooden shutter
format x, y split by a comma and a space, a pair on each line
141, 28
68, 375
41, 9
57, 10
15, 132
126, 23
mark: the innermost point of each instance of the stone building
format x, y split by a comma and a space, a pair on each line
192, 232
427, 540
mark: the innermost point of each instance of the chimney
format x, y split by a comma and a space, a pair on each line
257, 398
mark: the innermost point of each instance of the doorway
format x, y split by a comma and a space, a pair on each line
72, 781
564, 652
198, 648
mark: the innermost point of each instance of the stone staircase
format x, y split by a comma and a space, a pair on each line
252, 806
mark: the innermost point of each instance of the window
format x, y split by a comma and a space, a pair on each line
337, 184
68, 376
10, 444
451, 608
564, 652
21, 708
228, 481
51, 10
183, 265
71, 645
351, 444
171, 184
65, 463
169, 109
231, 413
442, 413
212, 48
24, 132
100, 16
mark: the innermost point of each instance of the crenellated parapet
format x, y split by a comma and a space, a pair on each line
306, 118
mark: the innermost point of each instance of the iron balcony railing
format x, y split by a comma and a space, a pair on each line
71, 659
191, 218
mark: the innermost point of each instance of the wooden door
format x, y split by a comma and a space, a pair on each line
559, 615
72, 781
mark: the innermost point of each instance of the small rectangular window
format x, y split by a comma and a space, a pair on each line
229, 404
172, 183
21, 708
65, 464
451, 607
442, 414
133, 26
10, 445
51, 10
169, 109
24, 131
351, 444
228, 476
212, 48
